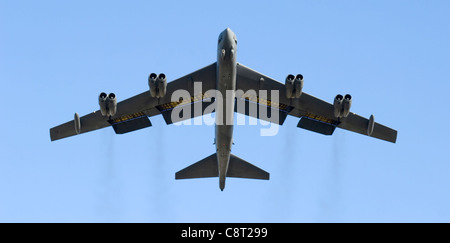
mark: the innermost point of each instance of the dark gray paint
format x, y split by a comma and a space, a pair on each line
225, 74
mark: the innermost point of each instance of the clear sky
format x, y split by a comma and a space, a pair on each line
393, 57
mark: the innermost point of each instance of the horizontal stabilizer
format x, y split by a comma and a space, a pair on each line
242, 169
206, 167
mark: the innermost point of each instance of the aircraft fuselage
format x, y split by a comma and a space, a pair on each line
225, 87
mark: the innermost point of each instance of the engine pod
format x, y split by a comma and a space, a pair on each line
289, 84
111, 102
77, 122
102, 103
338, 106
161, 85
298, 86
152, 84
346, 104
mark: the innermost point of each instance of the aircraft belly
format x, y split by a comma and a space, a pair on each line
226, 86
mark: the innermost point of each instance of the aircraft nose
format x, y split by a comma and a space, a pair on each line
226, 42
228, 33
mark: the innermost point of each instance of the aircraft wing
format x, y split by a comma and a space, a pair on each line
132, 114
316, 115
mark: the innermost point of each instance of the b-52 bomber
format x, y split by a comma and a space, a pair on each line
224, 87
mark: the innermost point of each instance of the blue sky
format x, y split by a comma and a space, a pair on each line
393, 57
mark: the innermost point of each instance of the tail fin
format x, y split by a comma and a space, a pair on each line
208, 167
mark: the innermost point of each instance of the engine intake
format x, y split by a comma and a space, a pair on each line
161, 82
152, 84
112, 104
346, 104
108, 104
294, 86
342, 105
338, 105
157, 85
289, 83
102, 102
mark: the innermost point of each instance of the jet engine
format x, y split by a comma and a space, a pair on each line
289, 83
112, 104
342, 105
346, 104
102, 102
294, 86
338, 105
108, 104
298, 85
161, 82
152, 84
157, 85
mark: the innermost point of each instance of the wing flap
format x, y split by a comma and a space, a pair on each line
316, 126
132, 124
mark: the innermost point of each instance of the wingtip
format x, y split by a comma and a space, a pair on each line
395, 137
51, 135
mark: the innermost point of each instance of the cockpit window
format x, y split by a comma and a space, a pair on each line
220, 38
